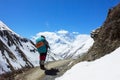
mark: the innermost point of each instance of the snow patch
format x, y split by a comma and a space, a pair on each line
105, 68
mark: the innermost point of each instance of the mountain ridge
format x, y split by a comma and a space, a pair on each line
63, 42
12, 50
17, 52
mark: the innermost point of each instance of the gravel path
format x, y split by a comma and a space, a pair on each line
54, 69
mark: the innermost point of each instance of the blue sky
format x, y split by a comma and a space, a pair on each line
28, 17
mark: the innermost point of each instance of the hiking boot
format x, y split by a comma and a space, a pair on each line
42, 67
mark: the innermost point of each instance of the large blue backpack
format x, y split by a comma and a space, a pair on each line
41, 47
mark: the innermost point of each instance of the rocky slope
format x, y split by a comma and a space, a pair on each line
107, 37
15, 51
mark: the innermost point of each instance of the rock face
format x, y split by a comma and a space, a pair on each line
107, 37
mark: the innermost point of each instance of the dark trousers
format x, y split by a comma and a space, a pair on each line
42, 58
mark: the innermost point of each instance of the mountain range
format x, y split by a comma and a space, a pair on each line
17, 52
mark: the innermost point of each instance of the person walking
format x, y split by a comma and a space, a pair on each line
42, 46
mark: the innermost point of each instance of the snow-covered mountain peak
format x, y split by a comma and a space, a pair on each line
15, 52
65, 43
62, 32
57, 36
3, 26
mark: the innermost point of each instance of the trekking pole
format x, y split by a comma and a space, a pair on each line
48, 55
52, 54
47, 58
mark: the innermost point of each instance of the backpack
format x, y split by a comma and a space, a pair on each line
40, 45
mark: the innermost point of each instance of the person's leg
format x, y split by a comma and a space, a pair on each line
42, 60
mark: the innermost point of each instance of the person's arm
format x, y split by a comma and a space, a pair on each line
47, 44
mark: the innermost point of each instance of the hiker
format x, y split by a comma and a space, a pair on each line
42, 46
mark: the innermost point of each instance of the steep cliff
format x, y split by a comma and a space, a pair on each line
107, 37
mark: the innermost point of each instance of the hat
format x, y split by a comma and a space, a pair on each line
42, 36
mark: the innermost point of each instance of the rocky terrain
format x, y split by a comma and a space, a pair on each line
107, 37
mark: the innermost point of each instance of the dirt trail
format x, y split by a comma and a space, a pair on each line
37, 73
